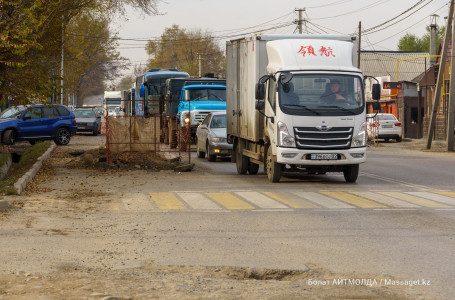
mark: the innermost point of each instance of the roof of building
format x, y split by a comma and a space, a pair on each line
384, 63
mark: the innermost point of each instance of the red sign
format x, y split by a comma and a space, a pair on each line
392, 85
309, 50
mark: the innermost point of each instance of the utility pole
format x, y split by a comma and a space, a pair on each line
63, 60
300, 20
437, 94
199, 58
360, 40
451, 104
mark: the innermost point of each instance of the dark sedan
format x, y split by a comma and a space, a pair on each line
87, 120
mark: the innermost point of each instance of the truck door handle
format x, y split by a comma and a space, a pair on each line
233, 112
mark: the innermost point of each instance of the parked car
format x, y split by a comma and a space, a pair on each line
384, 126
39, 122
87, 120
12, 112
211, 137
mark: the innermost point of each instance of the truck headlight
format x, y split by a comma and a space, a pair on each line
284, 138
360, 140
185, 117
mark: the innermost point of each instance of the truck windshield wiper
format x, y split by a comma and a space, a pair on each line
304, 107
340, 108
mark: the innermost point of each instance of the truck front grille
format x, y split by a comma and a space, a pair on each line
200, 116
330, 139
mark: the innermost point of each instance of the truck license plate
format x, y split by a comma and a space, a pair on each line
324, 156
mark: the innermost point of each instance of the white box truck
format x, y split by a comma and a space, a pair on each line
296, 104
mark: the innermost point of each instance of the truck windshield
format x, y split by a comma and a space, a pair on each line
322, 94
205, 94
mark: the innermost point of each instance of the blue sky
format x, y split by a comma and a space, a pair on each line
224, 18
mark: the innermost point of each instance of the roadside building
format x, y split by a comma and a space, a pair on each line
407, 104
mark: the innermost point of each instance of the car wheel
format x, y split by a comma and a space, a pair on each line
351, 173
386, 140
9, 137
62, 136
398, 139
210, 157
95, 132
274, 169
200, 154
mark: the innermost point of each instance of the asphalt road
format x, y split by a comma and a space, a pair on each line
396, 223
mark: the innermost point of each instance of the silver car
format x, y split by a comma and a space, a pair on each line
383, 126
211, 137
87, 120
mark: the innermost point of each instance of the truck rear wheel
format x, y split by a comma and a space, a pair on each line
351, 173
274, 169
241, 161
253, 168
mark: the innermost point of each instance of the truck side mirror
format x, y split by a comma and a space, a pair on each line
260, 91
260, 104
376, 91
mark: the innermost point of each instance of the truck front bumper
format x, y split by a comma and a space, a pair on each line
294, 156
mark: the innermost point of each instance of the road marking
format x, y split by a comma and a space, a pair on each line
166, 200
388, 201
230, 201
396, 181
354, 200
450, 194
291, 200
261, 200
322, 200
414, 199
434, 197
198, 201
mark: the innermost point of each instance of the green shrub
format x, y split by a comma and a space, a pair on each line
35, 151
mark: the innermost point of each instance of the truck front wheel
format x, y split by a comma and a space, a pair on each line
351, 173
274, 169
241, 161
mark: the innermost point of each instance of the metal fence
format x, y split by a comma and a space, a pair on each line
145, 139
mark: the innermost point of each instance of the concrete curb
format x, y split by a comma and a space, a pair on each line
5, 168
21, 184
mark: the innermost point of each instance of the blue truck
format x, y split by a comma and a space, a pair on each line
174, 100
196, 102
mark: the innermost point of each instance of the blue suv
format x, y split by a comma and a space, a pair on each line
37, 122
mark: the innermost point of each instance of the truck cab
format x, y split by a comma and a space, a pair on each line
196, 102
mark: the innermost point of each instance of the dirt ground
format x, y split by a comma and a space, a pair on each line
69, 196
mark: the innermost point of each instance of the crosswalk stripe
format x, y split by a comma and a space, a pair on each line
322, 200
353, 199
166, 200
449, 194
291, 200
414, 199
260, 200
137, 201
198, 201
230, 201
388, 201
434, 197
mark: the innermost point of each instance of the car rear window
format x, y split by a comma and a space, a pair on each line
63, 111
386, 117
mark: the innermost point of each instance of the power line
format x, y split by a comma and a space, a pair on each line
377, 26
398, 20
357, 10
